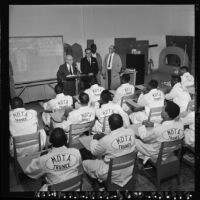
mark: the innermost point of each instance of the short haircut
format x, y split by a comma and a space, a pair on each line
126, 77
153, 83
172, 109
93, 80
17, 102
87, 49
184, 68
58, 137
115, 121
84, 98
93, 45
58, 88
176, 78
106, 96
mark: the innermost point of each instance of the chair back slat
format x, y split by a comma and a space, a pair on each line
77, 130
124, 98
72, 184
105, 123
154, 112
168, 148
25, 138
121, 162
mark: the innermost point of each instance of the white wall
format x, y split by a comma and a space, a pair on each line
77, 23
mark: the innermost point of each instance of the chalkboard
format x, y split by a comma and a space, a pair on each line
35, 58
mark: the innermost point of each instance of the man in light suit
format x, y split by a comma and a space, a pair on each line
96, 55
111, 68
68, 68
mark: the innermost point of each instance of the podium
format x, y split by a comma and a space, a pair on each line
77, 78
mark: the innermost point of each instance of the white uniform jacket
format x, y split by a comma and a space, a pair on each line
125, 89
180, 96
24, 122
94, 93
152, 138
58, 165
187, 79
81, 115
105, 111
154, 98
119, 142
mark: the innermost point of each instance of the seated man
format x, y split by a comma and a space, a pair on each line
59, 164
125, 89
178, 93
107, 107
60, 102
170, 129
94, 92
120, 141
187, 79
151, 97
81, 115
188, 119
23, 122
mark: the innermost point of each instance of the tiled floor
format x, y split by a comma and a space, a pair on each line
143, 183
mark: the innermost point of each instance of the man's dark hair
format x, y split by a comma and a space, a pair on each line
153, 83
172, 109
84, 98
17, 102
93, 80
58, 137
176, 78
92, 46
115, 121
59, 88
88, 49
106, 96
126, 78
184, 68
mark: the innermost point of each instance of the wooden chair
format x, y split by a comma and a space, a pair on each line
171, 165
119, 163
73, 184
154, 112
76, 130
105, 124
124, 98
23, 141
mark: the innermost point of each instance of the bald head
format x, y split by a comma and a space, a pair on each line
69, 59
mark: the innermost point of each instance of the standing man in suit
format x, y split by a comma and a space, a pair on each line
111, 68
68, 68
88, 66
99, 61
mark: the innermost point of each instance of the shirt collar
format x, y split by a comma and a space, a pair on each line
19, 109
60, 95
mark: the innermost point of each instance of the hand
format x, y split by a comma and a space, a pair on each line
148, 123
98, 136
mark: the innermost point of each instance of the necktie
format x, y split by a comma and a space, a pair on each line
70, 69
89, 61
109, 61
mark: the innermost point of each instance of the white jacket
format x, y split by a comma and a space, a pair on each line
180, 96
58, 165
59, 102
105, 111
94, 93
187, 79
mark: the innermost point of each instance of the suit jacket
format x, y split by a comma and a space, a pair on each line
86, 68
63, 72
116, 68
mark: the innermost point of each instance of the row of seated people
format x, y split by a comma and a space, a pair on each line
22, 121
120, 141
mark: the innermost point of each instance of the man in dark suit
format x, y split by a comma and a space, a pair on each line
68, 68
88, 66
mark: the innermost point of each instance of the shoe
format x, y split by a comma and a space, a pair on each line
147, 166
